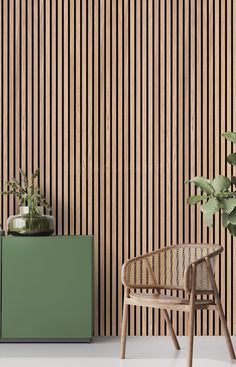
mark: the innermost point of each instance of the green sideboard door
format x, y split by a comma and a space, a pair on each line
47, 287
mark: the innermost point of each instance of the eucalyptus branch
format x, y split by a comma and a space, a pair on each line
27, 192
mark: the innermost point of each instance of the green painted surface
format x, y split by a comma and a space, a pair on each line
47, 287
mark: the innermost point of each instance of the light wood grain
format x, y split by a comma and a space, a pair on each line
217, 134
11, 101
65, 91
120, 158
96, 169
102, 134
71, 117
90, 118
54, 112
108, 171
59, 114
5, 110
132, 145
114, 203
83, 107
47, 103
138, 145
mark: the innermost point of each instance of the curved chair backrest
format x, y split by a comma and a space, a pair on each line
170, 268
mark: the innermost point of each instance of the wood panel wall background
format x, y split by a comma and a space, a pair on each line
118, 102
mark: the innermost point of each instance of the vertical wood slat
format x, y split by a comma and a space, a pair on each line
71, 116
96, 169
78, 88
132, 126
150, 148
5, 97
234, 119
138, 145
47, 103
107, 172
11, 100
118, 102
120, 156
102, 133
211, 126
223, 143
205, 163
174, 134
198, 117
35, 67
229, 172
83, 107
65, 116
216, 79
180, 142
41, 95
161, 203
53, 108
156, 109
59, 118
114, 125
144, 123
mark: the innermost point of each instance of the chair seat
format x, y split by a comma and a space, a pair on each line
162, 299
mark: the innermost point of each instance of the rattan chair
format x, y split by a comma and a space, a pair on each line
185, 267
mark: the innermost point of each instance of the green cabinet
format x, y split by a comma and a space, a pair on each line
46, 287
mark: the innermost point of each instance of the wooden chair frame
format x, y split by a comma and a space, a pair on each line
190, 305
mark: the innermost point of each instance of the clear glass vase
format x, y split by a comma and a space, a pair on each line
28, 223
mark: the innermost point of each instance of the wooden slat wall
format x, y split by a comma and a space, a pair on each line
118, 102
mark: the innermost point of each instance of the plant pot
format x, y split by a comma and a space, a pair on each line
28, 223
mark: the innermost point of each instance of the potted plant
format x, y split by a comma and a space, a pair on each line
218, 195
31, 221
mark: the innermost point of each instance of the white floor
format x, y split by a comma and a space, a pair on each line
104, 352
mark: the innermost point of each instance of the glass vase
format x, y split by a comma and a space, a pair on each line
29, 223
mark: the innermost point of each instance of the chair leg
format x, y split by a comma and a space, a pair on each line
171, 330
226, 331
221, 312
191, 320
191, 335
124, 328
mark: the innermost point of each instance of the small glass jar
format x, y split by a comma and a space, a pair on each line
30, 224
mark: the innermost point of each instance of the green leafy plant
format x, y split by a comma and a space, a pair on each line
26, 191
218, 195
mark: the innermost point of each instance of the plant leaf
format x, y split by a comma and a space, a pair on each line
221, 183
35, 174
196, 199
232, 229
7, 192
233, 180
203, 184
208, 218
232, 159
232, 217
231, 136
212, 206
228, 205
225, 219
